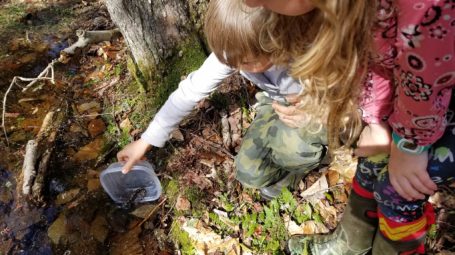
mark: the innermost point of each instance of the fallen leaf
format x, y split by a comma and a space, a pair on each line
333, 178
67, 196
182, 204
176, 134
316, 191
94, 106
126, 125
344, 163
206, 241
314, 227
201, 182
292, 227
328, 214
143, 211
91, 150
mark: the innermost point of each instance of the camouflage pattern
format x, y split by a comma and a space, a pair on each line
270, 149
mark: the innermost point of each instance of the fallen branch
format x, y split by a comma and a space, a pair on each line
44, 75
154, 209
227, 141
38, 154
28, 169
86, 38
220, 148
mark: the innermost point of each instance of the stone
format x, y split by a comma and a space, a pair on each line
93, 184
96, 127
143, 211
67, 196
91, 150
99, 228
57, 229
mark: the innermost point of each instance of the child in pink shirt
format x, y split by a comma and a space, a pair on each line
409, 84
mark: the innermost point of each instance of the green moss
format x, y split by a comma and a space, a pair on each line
181, 238
171, 189
192, 58
135, 71
10, 16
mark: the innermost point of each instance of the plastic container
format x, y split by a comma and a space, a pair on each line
139, 185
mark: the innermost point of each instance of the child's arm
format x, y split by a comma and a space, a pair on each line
425, 78
374, 139
181, 102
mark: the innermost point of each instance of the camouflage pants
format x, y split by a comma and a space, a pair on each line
270, 149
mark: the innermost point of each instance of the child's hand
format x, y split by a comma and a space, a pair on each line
374, 139
408, 174
291, 115
132, 153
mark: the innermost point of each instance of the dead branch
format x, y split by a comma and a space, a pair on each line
86, 38
38, 154
44, 75
227, 141
28, 169
154, 209
219, 148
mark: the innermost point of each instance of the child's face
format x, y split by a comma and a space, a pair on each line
255, 64
285, 7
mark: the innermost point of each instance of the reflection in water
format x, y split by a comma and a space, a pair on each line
23, 228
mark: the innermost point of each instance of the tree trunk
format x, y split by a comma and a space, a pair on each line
164, 38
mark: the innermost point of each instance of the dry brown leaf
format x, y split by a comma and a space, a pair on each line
201, 182
344, 163
328, 214
313, 227
176, 134
316, 191
292, 227
182, 204
125, 124
208, 242
333, 178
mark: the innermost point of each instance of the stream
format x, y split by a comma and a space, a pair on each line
75, 216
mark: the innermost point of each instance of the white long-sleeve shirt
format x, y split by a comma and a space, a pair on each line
201, 83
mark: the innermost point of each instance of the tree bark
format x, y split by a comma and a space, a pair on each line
158, 33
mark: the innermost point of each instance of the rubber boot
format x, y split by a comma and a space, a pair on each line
383, 246
354, 234
403, 238
291, 181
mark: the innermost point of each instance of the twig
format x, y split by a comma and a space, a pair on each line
214, 145
42, 76
150, 213
306, 198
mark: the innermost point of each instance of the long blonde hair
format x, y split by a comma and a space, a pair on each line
328, 50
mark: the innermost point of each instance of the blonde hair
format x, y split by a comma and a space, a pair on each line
233, 29
329, 57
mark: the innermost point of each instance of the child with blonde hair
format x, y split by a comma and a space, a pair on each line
383, 45
272, 155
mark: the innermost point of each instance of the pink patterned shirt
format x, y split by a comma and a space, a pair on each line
415, 47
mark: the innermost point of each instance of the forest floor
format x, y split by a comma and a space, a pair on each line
203, 209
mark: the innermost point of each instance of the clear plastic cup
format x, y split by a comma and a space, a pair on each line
139, 185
